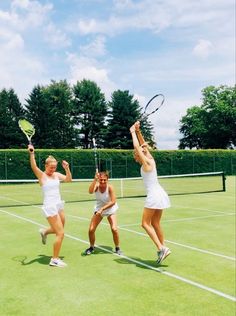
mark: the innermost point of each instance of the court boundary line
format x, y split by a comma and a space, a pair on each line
184, 219
139, 233
172, 275
169, 241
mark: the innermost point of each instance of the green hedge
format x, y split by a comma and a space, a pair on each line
14, 164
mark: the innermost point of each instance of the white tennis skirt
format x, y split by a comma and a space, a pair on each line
53, 209
110, 211
157, 199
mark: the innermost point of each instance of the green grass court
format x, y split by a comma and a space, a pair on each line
198, 278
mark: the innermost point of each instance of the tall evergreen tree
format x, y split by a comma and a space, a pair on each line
37, 112
49, 108
123, 112
60, 109
90, 110
11, 111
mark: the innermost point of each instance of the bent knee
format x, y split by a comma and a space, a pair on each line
144, 225
60, 234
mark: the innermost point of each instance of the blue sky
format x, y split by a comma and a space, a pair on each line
146, 46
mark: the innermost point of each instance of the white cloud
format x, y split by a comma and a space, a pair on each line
55, 37
158, 15
87, 68
96, 48
25, 14
203, 48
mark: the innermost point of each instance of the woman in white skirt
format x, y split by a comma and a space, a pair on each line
105, 206
53, 206
157, 199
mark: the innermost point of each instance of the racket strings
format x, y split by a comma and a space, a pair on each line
27, 128
153, 105
29, 132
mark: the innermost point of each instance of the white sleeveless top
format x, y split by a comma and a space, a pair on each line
156, 198
102, 199
51, 192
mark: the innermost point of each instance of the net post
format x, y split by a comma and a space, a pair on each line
223, 181
121, 188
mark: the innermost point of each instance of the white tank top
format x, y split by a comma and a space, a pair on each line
51, 192
150, 179
102, 199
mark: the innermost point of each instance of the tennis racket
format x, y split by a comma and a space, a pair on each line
153, 105
95, 154
27, 128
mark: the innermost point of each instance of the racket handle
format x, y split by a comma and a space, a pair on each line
31, 149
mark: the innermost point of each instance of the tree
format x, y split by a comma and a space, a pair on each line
37, 112
49, 108
123, 112
90, 110
11, 111
213, 124
60, 114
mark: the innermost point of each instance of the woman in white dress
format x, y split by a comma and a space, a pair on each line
53, 206
157, 199
105, 206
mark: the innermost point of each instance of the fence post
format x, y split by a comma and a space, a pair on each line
5, 166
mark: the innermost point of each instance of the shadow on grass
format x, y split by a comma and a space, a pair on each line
41, 259
102, 250
140, 263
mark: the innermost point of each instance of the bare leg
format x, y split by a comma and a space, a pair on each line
50, 230
57, 227
96, 219
156, 223
113, 223
147, 225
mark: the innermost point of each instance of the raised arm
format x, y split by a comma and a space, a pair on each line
144, 159
38, 173
67, 177
138, 133
93, 185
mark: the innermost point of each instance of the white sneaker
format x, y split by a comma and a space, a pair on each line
43, 236
56, 262
162, 254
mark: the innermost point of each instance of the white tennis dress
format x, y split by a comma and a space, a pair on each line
52, 202
101, 200
157, 197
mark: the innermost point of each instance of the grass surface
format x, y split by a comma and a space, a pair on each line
198, 278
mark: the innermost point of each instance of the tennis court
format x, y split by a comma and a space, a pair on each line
198, 278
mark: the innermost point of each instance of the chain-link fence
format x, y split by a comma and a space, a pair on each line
15, 164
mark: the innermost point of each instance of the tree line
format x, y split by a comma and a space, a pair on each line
66, 116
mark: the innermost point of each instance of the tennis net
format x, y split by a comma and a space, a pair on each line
28, 192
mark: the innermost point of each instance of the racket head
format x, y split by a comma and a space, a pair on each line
153, 105
27, 128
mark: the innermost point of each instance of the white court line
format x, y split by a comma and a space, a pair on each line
183, 219
142, 234
169, 241
140, 263
183, 206
185, 246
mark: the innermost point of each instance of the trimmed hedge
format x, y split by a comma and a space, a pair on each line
14, 164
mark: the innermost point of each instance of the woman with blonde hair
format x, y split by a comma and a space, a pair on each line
53, 206
157, 199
